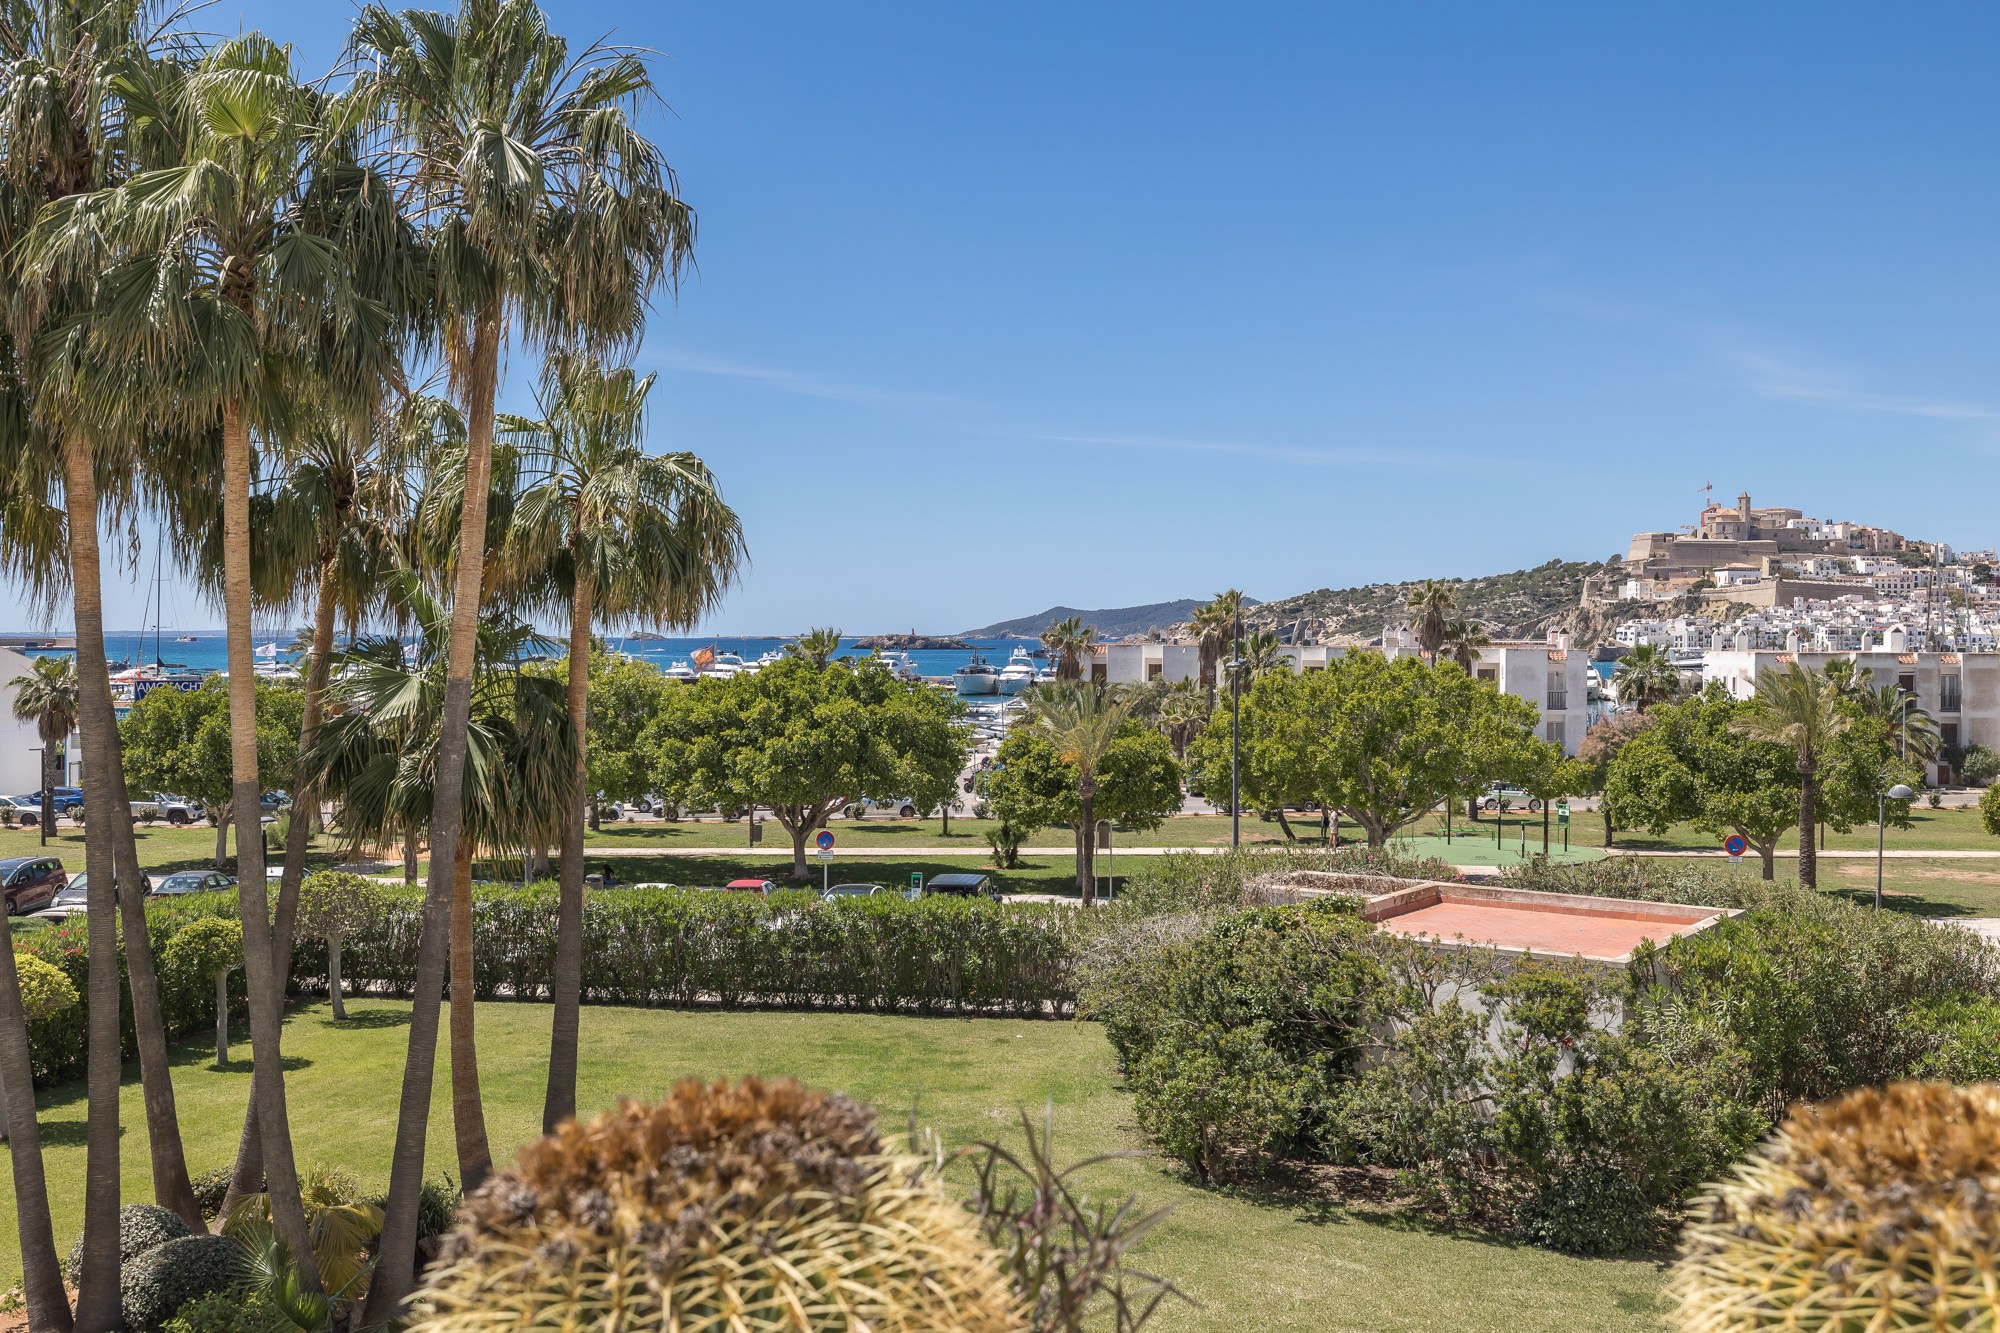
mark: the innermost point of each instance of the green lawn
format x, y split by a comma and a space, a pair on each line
1930, 830
1273, 1262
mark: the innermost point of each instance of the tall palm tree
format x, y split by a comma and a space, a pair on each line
1066, 642
1214, 625
221, 264
1082, 720
1800, 709
1431, 605
613, 533
816, 646
1646, 676
1261, 653
1182, 716
548, 210
1910, 726
1465, 638
46, 696
65, 132
380, 755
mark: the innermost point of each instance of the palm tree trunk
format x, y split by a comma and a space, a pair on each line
267, 1086
221, 1019
410, 857
222, 841
1086, 854
97, 1287
560, 1102
395, 1269
468, 1114
41, 1275
248, 1176
1808, 855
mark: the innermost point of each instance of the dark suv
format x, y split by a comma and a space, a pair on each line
31, 882
962, 886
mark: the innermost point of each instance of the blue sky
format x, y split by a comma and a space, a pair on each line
1001, 306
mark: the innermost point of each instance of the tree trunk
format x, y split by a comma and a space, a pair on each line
1768, 855
41, 1274
333, 989
221, 1019
559, 1104
267, 1085
1545, 828
1605, 806
395, 1269
1286, 825
595, 815
468, 1113
1808, 856
410, 858
98, 1308
222, 842
1086, 854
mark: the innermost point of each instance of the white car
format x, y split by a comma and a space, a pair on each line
1515, 798
900, 806
19, 810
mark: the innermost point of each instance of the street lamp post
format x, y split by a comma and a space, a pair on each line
1236, 730
1882, 798
47, 813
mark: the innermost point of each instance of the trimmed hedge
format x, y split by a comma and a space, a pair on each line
187, 995
680, 947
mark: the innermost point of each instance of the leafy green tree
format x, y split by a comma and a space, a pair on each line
179, 741
1600, 746
1800, 709
1382, 741
1989, 810
1275, 769
213, 946
799, 739
1135, 782
1692, 765
46, 696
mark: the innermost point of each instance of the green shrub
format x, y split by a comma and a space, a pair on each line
211, 1187
1220, 1100
223, 1312
141, 1227
1979, 765
1964, 1037
1989, 810
163, 1279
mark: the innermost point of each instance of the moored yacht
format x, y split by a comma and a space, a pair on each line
682, 672
977, 677
1018, 674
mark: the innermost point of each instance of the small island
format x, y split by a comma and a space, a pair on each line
910, 642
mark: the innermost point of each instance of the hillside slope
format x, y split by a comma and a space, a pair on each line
1114, 623
1524, 604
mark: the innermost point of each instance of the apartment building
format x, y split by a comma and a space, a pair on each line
1960, 690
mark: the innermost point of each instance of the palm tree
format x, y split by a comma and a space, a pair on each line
548, 208
65, 131
1646, 676
1465, 638
1066, 642
611, 532
254, 253
1215, 625
1431, 605
1182, 716
1800, 709
816, 646
1260, 653
1910, 727
381, 755
46, 696
1082, 720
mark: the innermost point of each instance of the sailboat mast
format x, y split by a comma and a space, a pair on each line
159, 661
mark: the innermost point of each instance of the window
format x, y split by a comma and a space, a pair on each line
1490, 674
1948, 692
1153, 670
1100, 671
1553, 731
1907, 682
1948, 735
1558, 692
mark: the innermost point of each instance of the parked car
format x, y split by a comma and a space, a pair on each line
958, 886
74, 897
173, 809
64, 799
1516, 799
273, 801
900, 806
31, 882
19, 811
194, 881
853, 891
764, 886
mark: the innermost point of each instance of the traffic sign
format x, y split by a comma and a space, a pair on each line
825, 840
1562, 812
826, 853
916, 879
1735, 845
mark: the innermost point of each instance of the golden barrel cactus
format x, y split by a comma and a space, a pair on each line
1876, 1212
739, 1208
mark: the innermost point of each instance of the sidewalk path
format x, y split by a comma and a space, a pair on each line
767, 849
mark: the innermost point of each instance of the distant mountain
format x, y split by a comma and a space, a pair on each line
1524, 604
1112, 624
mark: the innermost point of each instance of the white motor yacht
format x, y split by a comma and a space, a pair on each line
978, 676
899, 663
682, 672
1018, 674
725, 665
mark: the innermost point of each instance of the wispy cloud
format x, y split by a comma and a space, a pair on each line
1307, 455
790, 381
1787, 380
